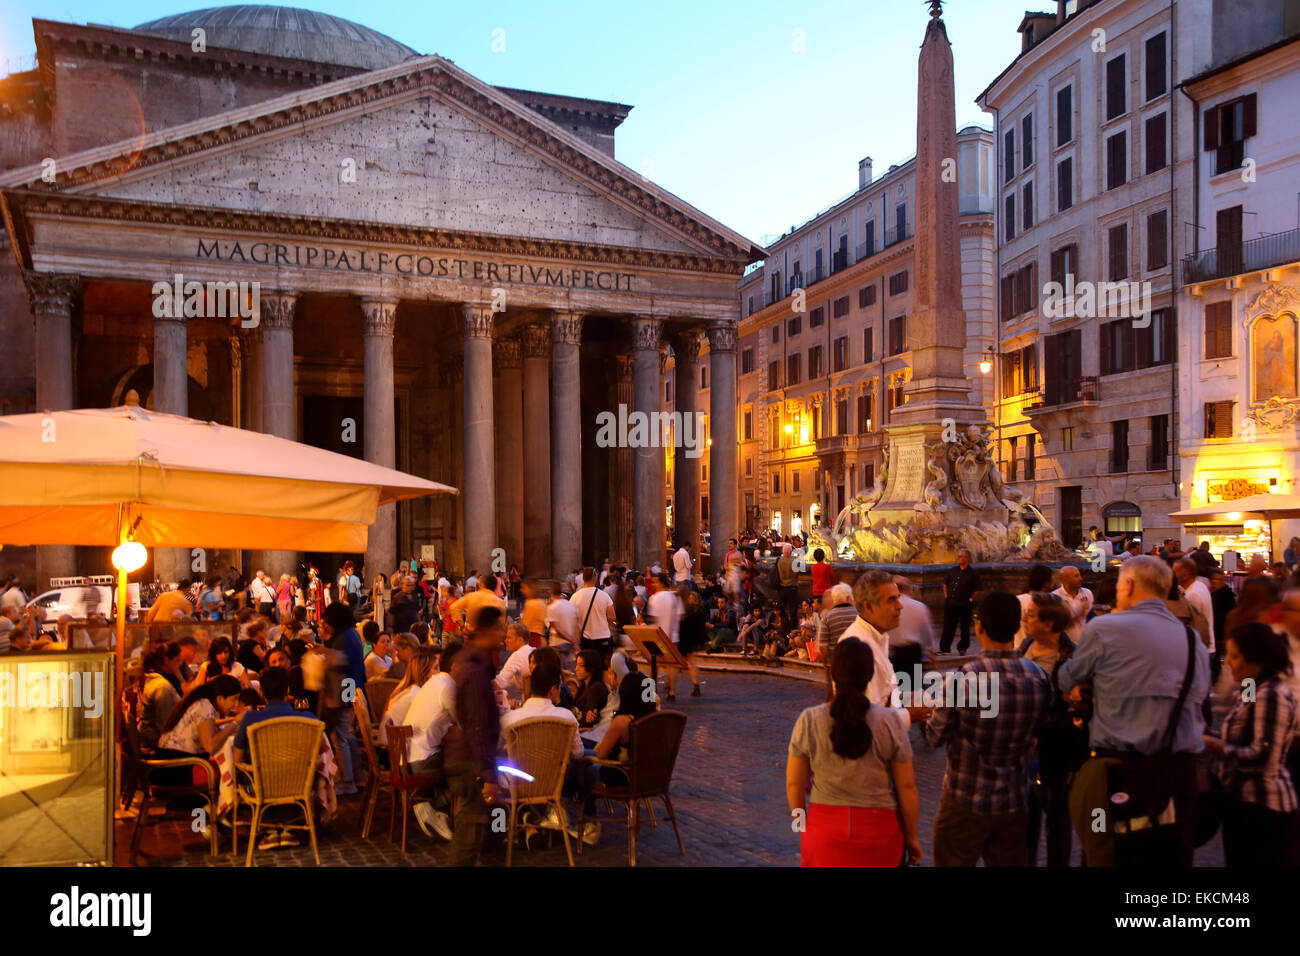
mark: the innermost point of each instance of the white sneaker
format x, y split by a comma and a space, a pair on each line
552, 820
591, 833
433, 822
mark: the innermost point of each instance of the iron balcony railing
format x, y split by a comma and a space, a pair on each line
1277, 249
1064, 392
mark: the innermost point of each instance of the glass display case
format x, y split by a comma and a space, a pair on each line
56, 758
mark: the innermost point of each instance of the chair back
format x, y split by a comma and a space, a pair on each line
361, 711
377, 692
399, 750
540, 747
653, 741
283, 752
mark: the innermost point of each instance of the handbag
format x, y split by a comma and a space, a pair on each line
1141, 788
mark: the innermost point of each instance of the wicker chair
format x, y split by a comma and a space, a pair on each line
653, 741
403, 781
540, 747
282, 754
377, 692
140, 765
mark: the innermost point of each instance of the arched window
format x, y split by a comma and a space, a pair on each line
1122, 518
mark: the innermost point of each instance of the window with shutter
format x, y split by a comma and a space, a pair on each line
1158, 450
841, 307
773, 376
1158, 240
1029, 366
1009, 361
1218, 330
815, 317
868, 345
1064, 184
1117, 253
1117, 160
1009, 155
1119, 447
1156, 84
1007, 300
1064, 115
1218, 419
1027, 204
1155, 144
1116, 87
793, 369
1009, 217
1027, 141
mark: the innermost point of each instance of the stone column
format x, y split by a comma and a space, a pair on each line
479, 490
537, 451
52, 299
724, 485
648, 463
566, 442
278, 405
621, 498
686, 475
379, 430
171, 395
509, 407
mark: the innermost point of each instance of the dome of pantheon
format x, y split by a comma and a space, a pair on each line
284, 31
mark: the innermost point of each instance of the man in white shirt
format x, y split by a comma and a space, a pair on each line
1196, 592
515, 669
13, 596
595, 614
665, 609
1078, 598
562, 619
471, 582
432, 713
542, 702
263, 596
880, 608
682, 565
913, 640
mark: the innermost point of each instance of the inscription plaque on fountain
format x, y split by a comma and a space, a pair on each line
908, 474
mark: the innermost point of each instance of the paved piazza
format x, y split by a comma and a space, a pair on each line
729, 792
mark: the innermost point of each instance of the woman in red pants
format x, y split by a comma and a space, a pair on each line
851, 751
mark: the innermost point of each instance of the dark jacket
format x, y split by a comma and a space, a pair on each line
478, 723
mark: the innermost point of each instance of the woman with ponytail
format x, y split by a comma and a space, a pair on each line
848, 753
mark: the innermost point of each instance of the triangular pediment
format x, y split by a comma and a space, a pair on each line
422, 144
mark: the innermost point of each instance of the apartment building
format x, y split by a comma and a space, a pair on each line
1239, 404
823, 345
1093, 147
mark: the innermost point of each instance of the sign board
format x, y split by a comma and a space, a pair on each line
1230, 489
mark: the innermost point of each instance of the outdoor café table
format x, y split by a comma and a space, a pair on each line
326, 770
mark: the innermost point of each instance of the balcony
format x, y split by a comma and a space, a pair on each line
1062, 394
864, 250
1280, 248
837, 444
839, 261
894, 236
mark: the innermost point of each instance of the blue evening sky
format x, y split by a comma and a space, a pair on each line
728, 114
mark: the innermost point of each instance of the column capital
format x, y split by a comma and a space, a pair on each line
52, 293
508, 352
476, 321
647, 332
276, 309
663, 357
379, 315
626, 364
566, 327
722, 337
686, 345
537, 340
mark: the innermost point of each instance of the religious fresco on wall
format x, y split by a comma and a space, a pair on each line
1273, 357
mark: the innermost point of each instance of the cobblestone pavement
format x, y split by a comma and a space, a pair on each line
728, 790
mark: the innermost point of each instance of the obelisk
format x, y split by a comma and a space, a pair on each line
939, 401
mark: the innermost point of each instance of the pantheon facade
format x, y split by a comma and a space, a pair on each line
452, 278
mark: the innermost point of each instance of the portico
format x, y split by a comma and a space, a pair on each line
470, 341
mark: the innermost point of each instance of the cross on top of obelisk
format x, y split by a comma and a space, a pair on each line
936, 8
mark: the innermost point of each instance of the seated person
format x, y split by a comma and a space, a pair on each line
252, 650
421, 667
158, 698
753, 632
380, 658
592, 693
636, 698
513, 675
722, 624
369, 634
275, 686
199, 725
432, 713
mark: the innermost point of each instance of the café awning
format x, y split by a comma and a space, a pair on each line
85, 476
1255, 507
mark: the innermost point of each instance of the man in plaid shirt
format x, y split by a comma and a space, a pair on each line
982, 810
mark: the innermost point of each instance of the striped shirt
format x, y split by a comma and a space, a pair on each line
988, 751
1256, 738
834, 622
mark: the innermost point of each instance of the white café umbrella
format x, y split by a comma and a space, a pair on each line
108, 476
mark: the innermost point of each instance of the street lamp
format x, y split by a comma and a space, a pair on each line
986, 366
